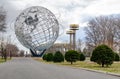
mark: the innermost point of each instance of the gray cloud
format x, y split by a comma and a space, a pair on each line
67, 11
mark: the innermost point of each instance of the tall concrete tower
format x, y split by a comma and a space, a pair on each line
74, 27
70, 32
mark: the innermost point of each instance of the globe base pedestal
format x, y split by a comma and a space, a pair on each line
34, 54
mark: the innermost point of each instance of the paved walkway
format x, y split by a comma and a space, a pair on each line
26, 68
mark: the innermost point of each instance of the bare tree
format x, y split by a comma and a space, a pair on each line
2, 19
12, 50
103, 30
2, 29
21, 53
79, 45
3, 52
86, 51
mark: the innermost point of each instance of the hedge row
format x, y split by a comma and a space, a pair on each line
70, 56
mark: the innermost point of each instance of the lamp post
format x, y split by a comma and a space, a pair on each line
74, 27
70, 32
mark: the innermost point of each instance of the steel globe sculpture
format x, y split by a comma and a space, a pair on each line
37, 29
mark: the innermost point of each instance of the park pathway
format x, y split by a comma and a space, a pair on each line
27, 68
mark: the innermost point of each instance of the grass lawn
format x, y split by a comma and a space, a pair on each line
114, 68
2, 60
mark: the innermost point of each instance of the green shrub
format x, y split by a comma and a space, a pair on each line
58, 57
81, 57
71, 56
44, 57
49, 57
116, 57
103, 55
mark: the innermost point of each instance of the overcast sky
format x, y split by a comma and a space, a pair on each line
66, 11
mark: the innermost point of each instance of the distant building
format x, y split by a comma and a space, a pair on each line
62, 47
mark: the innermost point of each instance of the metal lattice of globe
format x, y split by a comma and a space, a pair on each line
37, 28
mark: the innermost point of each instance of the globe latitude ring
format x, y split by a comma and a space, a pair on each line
37, 28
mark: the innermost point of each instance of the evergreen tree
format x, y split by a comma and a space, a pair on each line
49, 57
103, 55
117, 58
82, 57
58, 57
71, 56
44, 56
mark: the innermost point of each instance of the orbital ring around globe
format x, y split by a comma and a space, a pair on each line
37, 28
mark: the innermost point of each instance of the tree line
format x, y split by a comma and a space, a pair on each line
103, 30
6, 46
